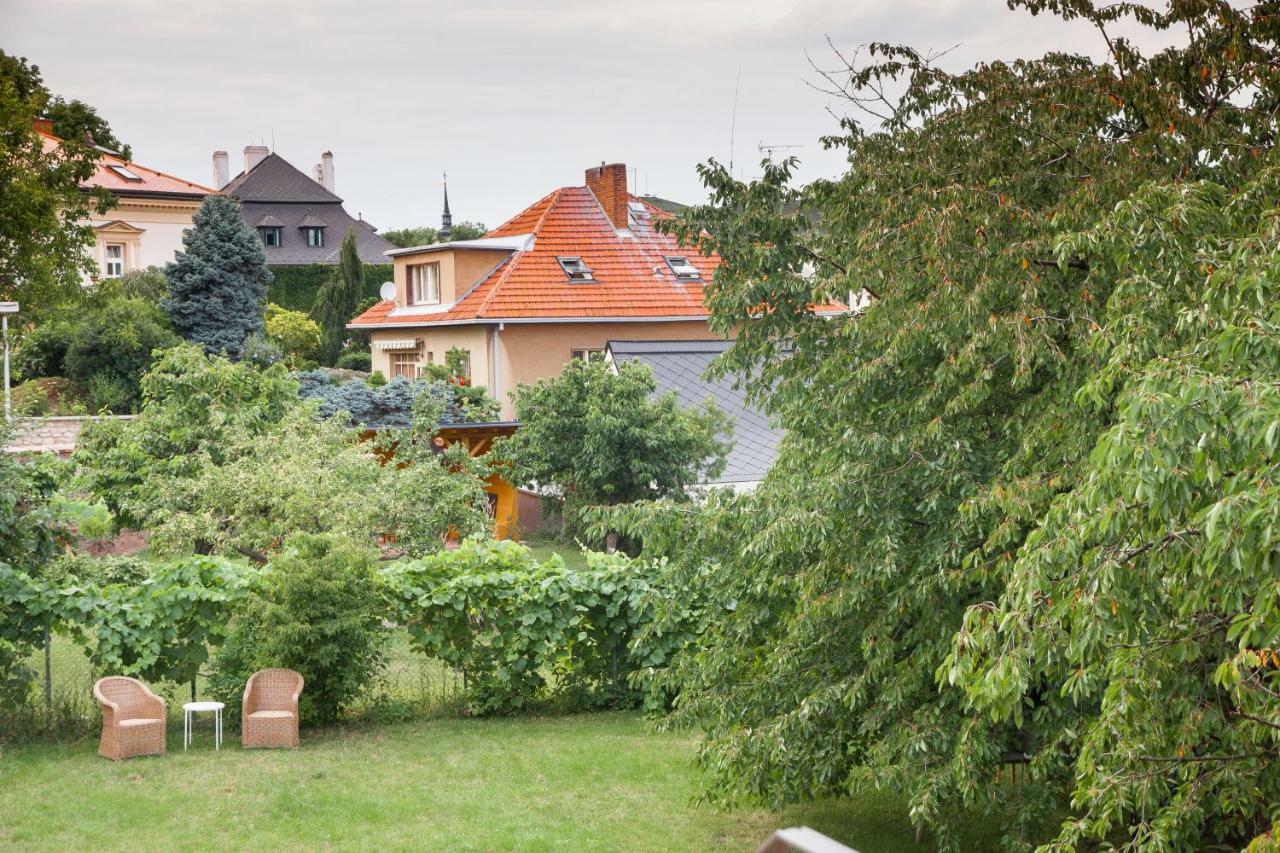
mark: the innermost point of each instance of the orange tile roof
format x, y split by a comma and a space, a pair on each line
152, 182
633, 280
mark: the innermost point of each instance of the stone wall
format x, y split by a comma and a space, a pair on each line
51, 435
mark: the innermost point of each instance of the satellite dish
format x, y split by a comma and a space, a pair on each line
387, 291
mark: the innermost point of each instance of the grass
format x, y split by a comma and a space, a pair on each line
589, 782
572, 555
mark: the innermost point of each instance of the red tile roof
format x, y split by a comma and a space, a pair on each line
632, 279
152, 183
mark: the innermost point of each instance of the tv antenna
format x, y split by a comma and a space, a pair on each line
733, 120
768, 150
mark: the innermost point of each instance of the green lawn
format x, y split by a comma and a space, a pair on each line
591, 782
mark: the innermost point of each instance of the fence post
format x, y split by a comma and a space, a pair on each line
48, 668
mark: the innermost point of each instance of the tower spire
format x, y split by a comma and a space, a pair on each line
446, 218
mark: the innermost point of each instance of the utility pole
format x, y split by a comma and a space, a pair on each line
7, 308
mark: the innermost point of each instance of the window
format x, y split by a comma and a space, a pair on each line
404, 364
270, 236
124, 172
587, 354
424, 284
684, 270
315, 236
576, 269
114, 266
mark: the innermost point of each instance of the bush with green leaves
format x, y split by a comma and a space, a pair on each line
295, 334
524, 633
42, 351
355, 360
390, 404
319, 610
225, 458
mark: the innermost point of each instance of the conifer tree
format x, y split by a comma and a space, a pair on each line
218, 283
337, 299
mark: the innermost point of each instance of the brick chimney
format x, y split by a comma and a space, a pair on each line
254, 154
221, 170
609, 185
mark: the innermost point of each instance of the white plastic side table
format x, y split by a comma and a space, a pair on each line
194, 708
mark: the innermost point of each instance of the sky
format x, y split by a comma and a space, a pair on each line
512, 98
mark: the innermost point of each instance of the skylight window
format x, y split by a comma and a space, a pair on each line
684, 270
576, 269
125, 172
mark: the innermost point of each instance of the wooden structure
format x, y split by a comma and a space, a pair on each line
503, 497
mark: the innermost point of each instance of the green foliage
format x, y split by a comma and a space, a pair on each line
42, 351
295, 286
292, 332
42, 209
73, 119
988, 531
319, 611
603, 438
376, 379
149, 285
218, 282
112, 346
525, 633
425, 235
355, 360
336, 301
225, 457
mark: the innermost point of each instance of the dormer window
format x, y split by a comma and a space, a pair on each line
270, 236
424, 284
314, 235
684, 271
576, 269
125, 172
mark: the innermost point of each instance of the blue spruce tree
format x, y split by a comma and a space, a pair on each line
218, 283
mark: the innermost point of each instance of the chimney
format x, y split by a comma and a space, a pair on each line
317, 173
43, 125
609, 185
221, 170
254, 154
326, 170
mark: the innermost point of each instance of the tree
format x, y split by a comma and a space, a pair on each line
425, 235
112, 346
337, 299
42, 208
218, 282
77, 120
603, 438
295, 334
1022, 513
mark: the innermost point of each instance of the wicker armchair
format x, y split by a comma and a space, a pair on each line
133, 718
270, 709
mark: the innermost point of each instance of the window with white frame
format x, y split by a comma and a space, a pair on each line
270, 236
424, 284
113, 261
684, 270
404, 364
315, 237
576, 268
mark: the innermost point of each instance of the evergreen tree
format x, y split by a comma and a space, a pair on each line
218, 284
337, 299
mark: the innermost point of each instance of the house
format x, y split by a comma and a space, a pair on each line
580, 267
681, 367
150, 211
298, 216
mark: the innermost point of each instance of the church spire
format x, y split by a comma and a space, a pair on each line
446, 219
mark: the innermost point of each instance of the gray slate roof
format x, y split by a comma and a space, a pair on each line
679, 366
275, 190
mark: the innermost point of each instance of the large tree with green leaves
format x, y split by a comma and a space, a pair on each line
218, 282
603, 437
42, 207
1023, 512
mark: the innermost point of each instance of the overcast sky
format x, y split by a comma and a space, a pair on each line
511, 98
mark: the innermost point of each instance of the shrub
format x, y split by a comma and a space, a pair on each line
260, 351
376, 379
508, 622
355, 360
390, 404
295, 334
43, 350
320, 612
147, 284
113, 346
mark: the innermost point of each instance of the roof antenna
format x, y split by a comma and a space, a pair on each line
273, 140
733, 121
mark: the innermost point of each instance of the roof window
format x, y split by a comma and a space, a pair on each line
576, 269
124, 172
684, 270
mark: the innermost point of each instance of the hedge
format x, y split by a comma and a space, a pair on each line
294, 286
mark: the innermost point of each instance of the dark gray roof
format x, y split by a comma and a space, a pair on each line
275, 179
679, 366
274, 193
